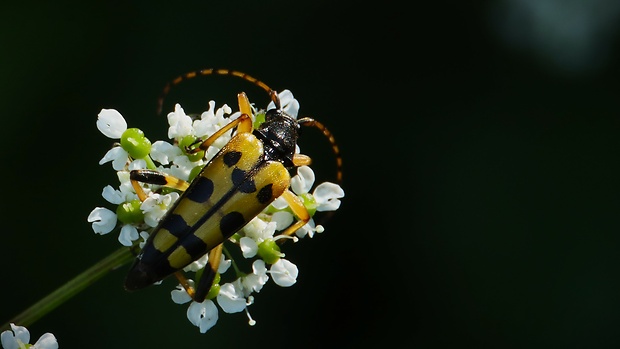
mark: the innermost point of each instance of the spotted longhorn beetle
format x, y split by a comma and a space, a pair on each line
241, 180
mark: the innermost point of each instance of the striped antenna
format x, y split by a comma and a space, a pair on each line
309, 122
204, 72
274, 97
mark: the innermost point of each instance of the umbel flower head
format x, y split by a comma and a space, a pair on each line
134, 219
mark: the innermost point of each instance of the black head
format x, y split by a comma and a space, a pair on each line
279, 134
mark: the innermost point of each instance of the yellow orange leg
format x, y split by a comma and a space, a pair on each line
154, 177
298, 208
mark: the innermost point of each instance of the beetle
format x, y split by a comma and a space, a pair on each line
239, 182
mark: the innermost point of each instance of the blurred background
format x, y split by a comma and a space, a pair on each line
479, 142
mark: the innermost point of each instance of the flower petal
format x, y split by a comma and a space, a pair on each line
104, 220
231, 298
113, 196
248, 247
47, 341
179, 295
284, 273
303, 181
180, 123
118, 156
128, 234
326, 195
164, 152
282, 219
111, 123
9, 338
203, 315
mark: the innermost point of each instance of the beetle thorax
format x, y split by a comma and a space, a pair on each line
279, 135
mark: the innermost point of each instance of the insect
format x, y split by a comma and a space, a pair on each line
241, 180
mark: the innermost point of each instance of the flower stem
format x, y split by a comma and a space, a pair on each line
117, 259
149, 163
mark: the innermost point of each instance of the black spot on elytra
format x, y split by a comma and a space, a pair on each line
245, 185
265, 194
201, 191
175, 224
194, 246
231, 158
230, 223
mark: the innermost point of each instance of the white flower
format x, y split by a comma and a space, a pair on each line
224, 265
326, 196
156, 205
203, 315
282, 219
259, 230
128, 235
309, 229
180, 123
111, 123
118, 156
248, 246
181, 167
231, 297
104, 220
254, 282
19, 337
284, 273
211, 121
179, 295
164, 152
303, 181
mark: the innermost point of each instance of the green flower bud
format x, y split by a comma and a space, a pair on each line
189, 141
309, 203
258, 120
130, 212
269, 251
135, 143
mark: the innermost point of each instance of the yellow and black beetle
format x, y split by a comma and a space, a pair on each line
241, 180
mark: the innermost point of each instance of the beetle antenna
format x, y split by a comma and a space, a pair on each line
316, 124
275, 99
204, 72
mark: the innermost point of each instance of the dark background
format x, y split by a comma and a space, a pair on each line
479, 141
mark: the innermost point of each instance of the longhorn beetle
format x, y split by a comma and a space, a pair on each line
241, 180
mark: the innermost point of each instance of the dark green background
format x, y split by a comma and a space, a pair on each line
481, 183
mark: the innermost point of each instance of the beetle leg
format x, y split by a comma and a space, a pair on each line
200, 291
298, 208
243, 124
301, 160
208, 274
154, 177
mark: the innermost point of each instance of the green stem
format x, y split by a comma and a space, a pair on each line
149, 163
117, 259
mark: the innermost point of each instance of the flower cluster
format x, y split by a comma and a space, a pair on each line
135, 219
18, 337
